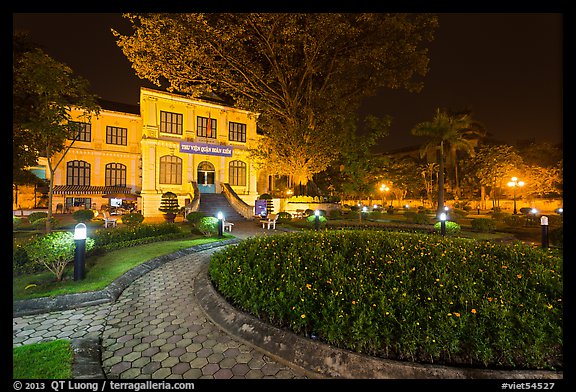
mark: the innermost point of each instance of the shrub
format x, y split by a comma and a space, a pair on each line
83, 215
284, 217
169, 203
132, 219
265, 196
311, 221
54, 251
556, 236
451, 227
16, 221
514, 220
500, 216
405, 296
334, 199
336, 214
21, 263
33, 217
40, 223
420, 217
194, 218
375, 214
129, 233
390, 210
483, 224
208, 226
456, 214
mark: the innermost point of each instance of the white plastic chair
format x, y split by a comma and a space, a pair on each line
270, 221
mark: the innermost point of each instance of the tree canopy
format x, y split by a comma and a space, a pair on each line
304, 74
44, 92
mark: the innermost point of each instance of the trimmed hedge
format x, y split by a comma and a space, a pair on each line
404, 296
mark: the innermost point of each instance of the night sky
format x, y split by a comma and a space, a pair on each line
505, 67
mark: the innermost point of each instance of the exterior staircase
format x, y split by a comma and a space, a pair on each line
212, 203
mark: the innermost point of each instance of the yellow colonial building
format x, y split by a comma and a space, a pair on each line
129, 155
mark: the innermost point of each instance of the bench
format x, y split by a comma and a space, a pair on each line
109, 220
227, 225
269, 221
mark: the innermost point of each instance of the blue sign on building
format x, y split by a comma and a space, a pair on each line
206, 149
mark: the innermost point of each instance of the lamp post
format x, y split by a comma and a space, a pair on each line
220, 216
80, 251
443, 224
514, 183
383, 188
317, 220
544, 225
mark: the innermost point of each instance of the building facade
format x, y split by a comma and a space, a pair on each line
128, 156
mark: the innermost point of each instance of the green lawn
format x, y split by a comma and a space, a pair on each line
45, 360
100, 270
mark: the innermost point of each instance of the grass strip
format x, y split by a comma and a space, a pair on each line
44, 360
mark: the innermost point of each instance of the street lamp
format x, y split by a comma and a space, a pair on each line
80, 250
383, 188
515, 184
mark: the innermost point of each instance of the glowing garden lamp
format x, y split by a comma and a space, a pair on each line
544, 225
220, 216
443, 224
317, 220
80, 251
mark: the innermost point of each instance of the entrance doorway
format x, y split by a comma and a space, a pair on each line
206, 176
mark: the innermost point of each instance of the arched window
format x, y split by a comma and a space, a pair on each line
115, 174
77, 173
237, 173
170, 170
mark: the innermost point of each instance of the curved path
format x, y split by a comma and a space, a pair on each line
170, 323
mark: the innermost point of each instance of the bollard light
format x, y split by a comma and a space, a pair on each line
443, 224
80, 251
544, 225
220, 216
317, 220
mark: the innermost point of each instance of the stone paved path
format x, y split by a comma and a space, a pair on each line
156, 329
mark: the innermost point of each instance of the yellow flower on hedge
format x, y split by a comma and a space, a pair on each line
519, 276
457, 314
449, 314
473, 311
308, 286
303, 316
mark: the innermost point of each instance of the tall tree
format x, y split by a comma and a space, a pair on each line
445, 131
44, 92
302, 73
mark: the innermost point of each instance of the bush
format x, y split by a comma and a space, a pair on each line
83, 215
334, 199
21, 263
390, 210
483, 224
265, 196
311, 221
500, 216
451, 227
130, 233
556, 237
416, 297
336, 214
169, 203
132, 219
54, 251
420, 217
194, 218
514, 220
33, 217
456, 214
208, 226
40, 223
284, 217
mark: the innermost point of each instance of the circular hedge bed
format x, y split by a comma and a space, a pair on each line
404, 296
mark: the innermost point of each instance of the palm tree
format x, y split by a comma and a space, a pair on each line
444, 132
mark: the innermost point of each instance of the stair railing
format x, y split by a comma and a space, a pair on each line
241, 207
